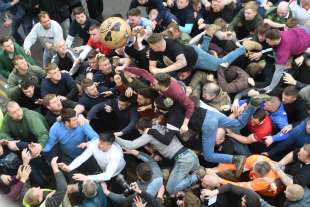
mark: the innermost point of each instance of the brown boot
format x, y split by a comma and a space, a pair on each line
239, 161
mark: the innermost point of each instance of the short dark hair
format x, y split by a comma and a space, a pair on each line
17, 58
107, 137
262, 168
26, 83
92, 54
4, 39
144, 172
47, 98
252, 200
154, 38
273, 34
144, 123
67, 114
254, 69
86, 82
291, 91
42, 14
123, 98
263, 28
134, 12
160, 103
230, 74
259, 114
78, 10
50, 66
163, 79
94, 26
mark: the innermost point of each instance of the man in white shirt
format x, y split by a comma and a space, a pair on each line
107, 153
48, 32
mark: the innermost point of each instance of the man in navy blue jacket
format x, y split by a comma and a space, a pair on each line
58, 83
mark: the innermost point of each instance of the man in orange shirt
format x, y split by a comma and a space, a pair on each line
263, 179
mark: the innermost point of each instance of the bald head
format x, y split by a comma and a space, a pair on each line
283, 9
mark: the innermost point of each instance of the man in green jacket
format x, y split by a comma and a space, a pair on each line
8, 51
24, 128
21, 72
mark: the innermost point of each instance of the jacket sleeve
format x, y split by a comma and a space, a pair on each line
4, 71
286, 144
133, 120
166, 138
61, 189
12, 87
72, 86
141, 72
92, 114
31, 37
151, 200
39, 130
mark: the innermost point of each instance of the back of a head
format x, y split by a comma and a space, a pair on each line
212, 89
67, 114
273, 34
294, 192
230, 74
260, 115
163, 79
144, 172
262, 168
31, 198
154, 38
144, 123
254, 69
107, 137
291, 91
252, 200
89, 188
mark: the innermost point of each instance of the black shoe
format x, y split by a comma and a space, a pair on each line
239, 161
257, 100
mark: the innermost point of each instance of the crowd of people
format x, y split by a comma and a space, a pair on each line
206, 104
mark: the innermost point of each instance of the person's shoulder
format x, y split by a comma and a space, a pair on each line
54, 23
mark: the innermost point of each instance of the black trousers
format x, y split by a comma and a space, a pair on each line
95, 9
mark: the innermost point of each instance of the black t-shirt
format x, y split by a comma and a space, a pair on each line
299, 170
82, 31
173, 49
65, 63
27, 102
52, 118
227, 14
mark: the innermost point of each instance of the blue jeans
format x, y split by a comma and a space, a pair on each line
47, 56
185, 164
205, 61
214, 120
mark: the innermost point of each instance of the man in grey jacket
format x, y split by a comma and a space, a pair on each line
186, 161
48, 32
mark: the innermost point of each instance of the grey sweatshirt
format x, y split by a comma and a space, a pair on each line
47, 38
167, 151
